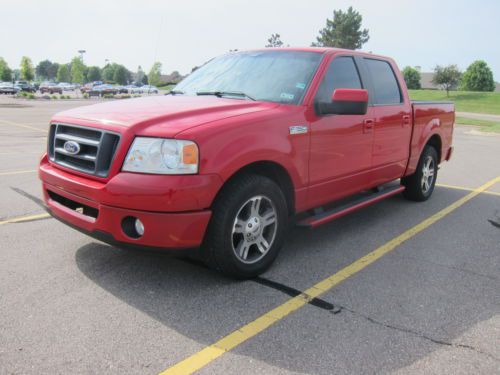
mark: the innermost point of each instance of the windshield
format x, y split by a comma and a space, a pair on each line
275, 76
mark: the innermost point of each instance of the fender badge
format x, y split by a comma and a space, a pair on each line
298, 129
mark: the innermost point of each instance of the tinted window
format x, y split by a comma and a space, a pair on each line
342, 74
384, 81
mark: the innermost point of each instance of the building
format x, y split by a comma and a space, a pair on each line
426, 82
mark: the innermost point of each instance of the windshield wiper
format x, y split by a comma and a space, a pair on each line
175, 92
220, 94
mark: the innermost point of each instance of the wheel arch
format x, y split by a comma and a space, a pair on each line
272, 170
436, 142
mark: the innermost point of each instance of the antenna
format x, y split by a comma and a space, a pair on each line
158, 39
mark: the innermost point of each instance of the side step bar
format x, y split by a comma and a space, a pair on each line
325, 217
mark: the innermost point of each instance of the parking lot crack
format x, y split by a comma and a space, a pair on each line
496, 220
451, 267
418, 334
292, 292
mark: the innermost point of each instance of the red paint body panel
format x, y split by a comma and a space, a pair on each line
338, 156
350, 95
163, 230
155, 193
430, 120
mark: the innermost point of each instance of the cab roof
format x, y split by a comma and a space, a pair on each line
322, 50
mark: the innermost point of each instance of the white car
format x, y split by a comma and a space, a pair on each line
132, 89
9, 88
148, 89
67, 86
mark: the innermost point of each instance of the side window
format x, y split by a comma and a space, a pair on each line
341, 74
385, 84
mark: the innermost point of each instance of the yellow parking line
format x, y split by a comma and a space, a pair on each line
6, 122
9, 173
212, 352
466, 189
20, 219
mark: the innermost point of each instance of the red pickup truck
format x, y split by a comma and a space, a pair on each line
245, 145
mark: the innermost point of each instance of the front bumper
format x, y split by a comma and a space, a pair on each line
71, 200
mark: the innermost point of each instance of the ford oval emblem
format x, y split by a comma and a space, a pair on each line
71, 147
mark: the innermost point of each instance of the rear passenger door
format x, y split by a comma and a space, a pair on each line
392, 129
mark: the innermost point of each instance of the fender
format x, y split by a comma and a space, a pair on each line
228, 146
422, 133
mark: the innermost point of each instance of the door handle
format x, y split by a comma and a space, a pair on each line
368, 125
406, 120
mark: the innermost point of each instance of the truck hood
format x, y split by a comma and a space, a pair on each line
172, 114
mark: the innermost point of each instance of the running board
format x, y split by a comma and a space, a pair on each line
326, 216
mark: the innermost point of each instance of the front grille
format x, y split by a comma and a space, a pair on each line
86, 150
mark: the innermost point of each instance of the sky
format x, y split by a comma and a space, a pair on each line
184, 34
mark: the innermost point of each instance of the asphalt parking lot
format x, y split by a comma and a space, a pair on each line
398, 287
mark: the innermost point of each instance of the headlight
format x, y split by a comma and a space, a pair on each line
162, 156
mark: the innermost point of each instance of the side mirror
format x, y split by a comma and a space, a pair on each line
346, 102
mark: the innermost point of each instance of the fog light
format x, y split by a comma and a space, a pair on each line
139, 227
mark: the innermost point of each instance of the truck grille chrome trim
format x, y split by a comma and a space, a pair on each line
86, 150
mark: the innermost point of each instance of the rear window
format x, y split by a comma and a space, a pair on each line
341, 74
385, 84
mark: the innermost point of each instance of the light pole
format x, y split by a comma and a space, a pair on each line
81, 52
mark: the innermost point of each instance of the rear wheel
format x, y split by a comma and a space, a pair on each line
247, 228
420, 185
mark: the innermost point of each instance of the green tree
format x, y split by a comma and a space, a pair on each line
343, 31
274, 41
155, 74
145, 79
412, 78
478, 77
120, 75
5, 71
93, 74
27, 69
108, 71
78, 70
63, 73
447, 77
46, 69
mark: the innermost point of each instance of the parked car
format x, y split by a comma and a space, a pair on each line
67, 86
25, 86
9, 88
132, 89
243, 146
88, 86
148, 89
101, 90
50, 88
121, 89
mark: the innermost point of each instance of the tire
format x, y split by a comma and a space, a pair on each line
420, 185
247, 229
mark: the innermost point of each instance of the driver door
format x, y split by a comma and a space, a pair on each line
341, 145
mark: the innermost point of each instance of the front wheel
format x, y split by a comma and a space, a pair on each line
420, 185
248, 226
